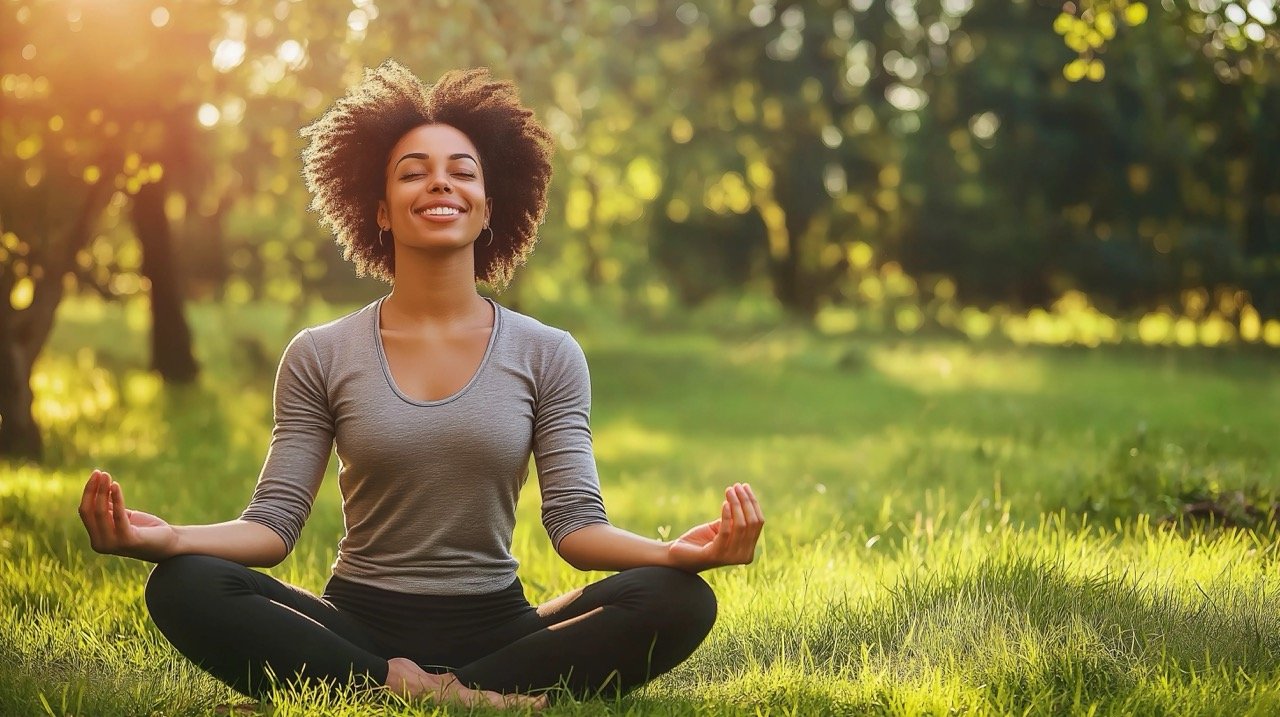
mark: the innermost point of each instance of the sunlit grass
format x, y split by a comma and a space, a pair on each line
952, 528
891, 301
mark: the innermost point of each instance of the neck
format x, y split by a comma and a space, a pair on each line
435, 289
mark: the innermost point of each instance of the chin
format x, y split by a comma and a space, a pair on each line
439, 243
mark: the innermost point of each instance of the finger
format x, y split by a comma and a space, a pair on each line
755, 503
98, 509
751, 533
758, 525
117, 510
735, 503
739, 519
748, 508
726, 520
86, 498
89, 508
102, 508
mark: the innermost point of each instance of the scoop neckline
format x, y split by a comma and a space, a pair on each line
475, 377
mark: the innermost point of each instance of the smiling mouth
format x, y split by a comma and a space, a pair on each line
439, 211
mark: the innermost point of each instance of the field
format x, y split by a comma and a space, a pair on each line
952, 528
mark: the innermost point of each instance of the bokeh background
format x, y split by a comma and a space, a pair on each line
1081, 173
981, 296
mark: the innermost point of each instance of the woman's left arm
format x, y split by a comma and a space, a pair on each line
731, 540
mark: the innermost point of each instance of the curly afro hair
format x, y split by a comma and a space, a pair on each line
344, 162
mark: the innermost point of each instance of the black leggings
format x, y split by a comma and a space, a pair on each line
246, 628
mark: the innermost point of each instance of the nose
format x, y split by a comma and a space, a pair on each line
440, 184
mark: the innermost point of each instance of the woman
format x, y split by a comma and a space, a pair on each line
435, 398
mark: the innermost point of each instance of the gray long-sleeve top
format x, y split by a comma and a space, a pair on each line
429, 488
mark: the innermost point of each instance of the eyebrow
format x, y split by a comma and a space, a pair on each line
420, 155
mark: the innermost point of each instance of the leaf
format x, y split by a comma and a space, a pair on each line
1106, 24
22, 294
1135, 14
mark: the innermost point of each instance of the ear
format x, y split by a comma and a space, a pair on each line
384, 220
488, 209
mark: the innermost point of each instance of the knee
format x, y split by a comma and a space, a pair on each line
178, 582
684, 600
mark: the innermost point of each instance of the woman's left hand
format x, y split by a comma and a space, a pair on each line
728, 541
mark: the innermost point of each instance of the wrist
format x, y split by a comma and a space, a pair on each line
668, 557
683, 559
177, 545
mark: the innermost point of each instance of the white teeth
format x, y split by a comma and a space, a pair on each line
440, 211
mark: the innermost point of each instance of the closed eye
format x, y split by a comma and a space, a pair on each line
413, 175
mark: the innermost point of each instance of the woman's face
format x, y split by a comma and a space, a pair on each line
434, 190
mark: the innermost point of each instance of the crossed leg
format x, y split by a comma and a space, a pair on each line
604, 639
243, 627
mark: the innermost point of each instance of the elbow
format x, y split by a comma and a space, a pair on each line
265, 556
270, 561
573, 558
275, 553
581, 549
267, 548
578, 563
573, 554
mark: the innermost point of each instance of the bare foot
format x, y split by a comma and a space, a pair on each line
406, 679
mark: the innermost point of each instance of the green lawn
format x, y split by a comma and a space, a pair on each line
951, 528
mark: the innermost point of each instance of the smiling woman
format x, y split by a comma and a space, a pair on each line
435, 398
435, 190
345, 164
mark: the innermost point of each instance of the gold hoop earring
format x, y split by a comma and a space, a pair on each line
490, 242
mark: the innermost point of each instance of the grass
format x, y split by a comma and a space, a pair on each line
952, 529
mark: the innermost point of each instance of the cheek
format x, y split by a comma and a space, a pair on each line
397, 196
480, 197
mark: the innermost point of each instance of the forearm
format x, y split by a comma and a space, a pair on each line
240, 541
604, 547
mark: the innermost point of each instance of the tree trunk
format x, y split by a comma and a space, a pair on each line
595, 272
171, 353
796, 286
23, 333
19, 434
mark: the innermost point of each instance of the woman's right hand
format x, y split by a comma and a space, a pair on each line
115, 530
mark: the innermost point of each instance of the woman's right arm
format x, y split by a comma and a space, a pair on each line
116, 530
269, 526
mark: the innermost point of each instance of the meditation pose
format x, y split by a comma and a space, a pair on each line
435, 397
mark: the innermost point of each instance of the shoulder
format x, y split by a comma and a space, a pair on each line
530, 331
326, 342
548, 349
354, 324
538, 339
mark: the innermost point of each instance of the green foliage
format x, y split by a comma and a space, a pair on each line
951, 528
703, 149
1089, 32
